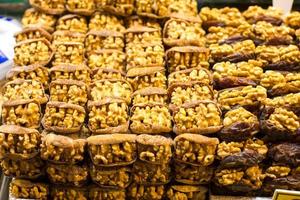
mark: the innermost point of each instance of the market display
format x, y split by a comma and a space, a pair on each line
139, 100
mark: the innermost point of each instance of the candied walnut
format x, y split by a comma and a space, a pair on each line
104, 39
150, 95
112, 149
289, 100
188, 192
140, 78
227, 74
234, 52
183, 31
138, 35
101, 74
68, 193
192, 175
198, 74
35, 51
202, 117
147, 9
135, 20
28, 169
185, 92
293, 19
69, 53
230, 148
280, 83
18, 142
72, 22
108, 116
285, 154
247, 96
31, 72
67, 36
69, 91
26, 113
277, 171
116, 177
255, 14
56, 7
71, 72
105, 21
24, 89
144, 192
82, 7
150, 119
107, 59
195, 149
60, 149
117, 7
96, 193
74, 175
35, 18
239, 114
187, 57
25, 189
30, 33
110, 88
63, 117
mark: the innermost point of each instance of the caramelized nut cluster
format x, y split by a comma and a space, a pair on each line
111, 177
67, 174
154, 192
107, 194
71, 22
277, 171
70, 72
32, 33
239, 114
113, 88
69, 53
67, 36
56, 7
84, 7
24, 89
182, 58
150, 119
178, 192
18, 142
107, 59
256, 13
24, 113
150, 95
112, 149
35, 51
154, 149
284, 119
147, 77
108, 116
66, 193
69, 91
197, 117
63, 117
293, 19
183, 31
101, 74
186, 92
286, 100
244, 96
20, 188
104, 21
118, 7
62, 149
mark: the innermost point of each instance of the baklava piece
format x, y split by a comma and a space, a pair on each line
24, 89
111, 88
69, 193
71, 72
112, 150
30, 33
154, 148
26, 113
140, 78
72, 22
150, 95
104, 21
25, 189
63, 117
101, 74
145, 192
114, 177
200, 117
18, 143
188, 192
141, 35
183, 31
59, 149
255, 14
35, 51
96, 193
60, 37
56, 7
150, 119
69, 53
227, 74
187, 57
82, 7
108, 116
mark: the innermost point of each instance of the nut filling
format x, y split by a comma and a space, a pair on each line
18, 142
101, 74
277, 171
144, 192
60, 149
67, 36
201, 117
83, 7
188, 192
255, 14
69, 53
150, 95
135, 20
105, 21
97, 193
71, 72
26, 113
63, 117
195, 149
20, 188
141, 35
107, 59
289, 100
47, 6
32, 33
108, 116
117, 7
68, 193
71, 22
112, 150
